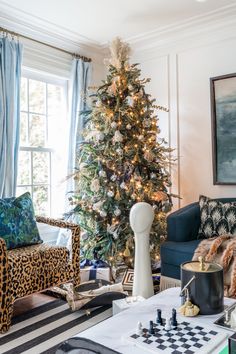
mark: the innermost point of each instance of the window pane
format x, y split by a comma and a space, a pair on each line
23, 128
22, 190
41, 200
24, 168
23, 94
37, 100
40, 167
37, 130
55, 99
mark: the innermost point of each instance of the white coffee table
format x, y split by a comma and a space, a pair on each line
111, 331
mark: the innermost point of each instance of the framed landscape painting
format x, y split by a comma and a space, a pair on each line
223, 108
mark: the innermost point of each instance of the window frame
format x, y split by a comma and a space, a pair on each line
47, 78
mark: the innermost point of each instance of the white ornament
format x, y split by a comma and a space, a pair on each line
95, 185
110, 194
128, 126
117, 212
119, 151
103, 213
97, 206
123, 185
102, 173
146, 123
113, 230
141, 218
113, 178
140, 137
118, 137
153, 175
100, 136
82, 166
113, 125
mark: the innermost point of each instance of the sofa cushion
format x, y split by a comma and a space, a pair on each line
17, 222
217, 218
175, 253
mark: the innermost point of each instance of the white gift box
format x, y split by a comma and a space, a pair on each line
89, 273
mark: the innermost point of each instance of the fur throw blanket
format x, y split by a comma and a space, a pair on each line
221, 250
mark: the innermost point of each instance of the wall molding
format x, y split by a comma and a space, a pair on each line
190, 32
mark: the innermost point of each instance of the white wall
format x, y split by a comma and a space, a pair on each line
180, 81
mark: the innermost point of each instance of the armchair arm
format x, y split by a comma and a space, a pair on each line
75, 230
183, 224
5, 297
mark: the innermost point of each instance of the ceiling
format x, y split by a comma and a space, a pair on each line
98, 21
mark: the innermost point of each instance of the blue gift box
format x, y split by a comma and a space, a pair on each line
94, 269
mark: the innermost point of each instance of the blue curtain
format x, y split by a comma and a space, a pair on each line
80, 77
10, 74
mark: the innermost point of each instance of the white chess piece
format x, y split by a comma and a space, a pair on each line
141, 218
168, 324
139, 331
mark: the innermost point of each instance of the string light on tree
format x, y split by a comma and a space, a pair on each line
121, 161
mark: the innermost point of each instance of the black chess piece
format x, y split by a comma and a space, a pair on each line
174, 322
159, 318
151, 329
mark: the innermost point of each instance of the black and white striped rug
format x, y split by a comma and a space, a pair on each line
42, 329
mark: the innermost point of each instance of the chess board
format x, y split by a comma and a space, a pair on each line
186, 338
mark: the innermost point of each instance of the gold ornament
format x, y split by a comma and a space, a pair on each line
159, 196
127, 251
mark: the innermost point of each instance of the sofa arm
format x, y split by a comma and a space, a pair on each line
183, 224
75, 230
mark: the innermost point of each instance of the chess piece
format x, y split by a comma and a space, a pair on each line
139, 329
168, 325
141, 218
159, 318
151, 329
173, 319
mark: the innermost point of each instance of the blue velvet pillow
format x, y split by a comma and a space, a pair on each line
17, 222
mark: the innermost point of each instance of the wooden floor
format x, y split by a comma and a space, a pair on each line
29, 302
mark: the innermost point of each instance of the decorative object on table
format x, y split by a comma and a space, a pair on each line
95, 269
185, 337
207, 288
141, 218
223, 108
124, 304
221, 250
228, 320
121, 161
83, 345
188, 309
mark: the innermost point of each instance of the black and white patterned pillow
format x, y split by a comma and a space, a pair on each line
217, 218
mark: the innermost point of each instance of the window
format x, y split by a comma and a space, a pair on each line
43, 142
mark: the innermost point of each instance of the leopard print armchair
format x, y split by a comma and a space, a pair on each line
31, 269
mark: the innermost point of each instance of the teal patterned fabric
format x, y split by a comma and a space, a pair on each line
17, 222
217, 218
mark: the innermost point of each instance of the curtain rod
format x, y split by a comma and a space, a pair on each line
75, 55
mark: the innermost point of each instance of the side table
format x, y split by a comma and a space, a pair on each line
126, 303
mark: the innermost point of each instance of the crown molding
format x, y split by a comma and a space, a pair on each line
36, 28
221, 21
186, 33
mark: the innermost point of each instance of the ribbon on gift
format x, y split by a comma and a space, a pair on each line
94, 265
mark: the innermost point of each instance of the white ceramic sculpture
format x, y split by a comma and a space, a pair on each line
141, 218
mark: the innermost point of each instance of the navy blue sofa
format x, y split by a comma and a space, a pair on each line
182, 238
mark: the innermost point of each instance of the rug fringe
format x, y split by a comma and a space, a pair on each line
167, 283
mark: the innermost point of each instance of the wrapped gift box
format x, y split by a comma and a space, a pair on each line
91, 273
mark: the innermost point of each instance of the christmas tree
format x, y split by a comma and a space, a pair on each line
121, 161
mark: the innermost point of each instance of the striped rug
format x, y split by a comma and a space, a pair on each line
42, 329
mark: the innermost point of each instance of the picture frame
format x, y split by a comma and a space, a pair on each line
223, 113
